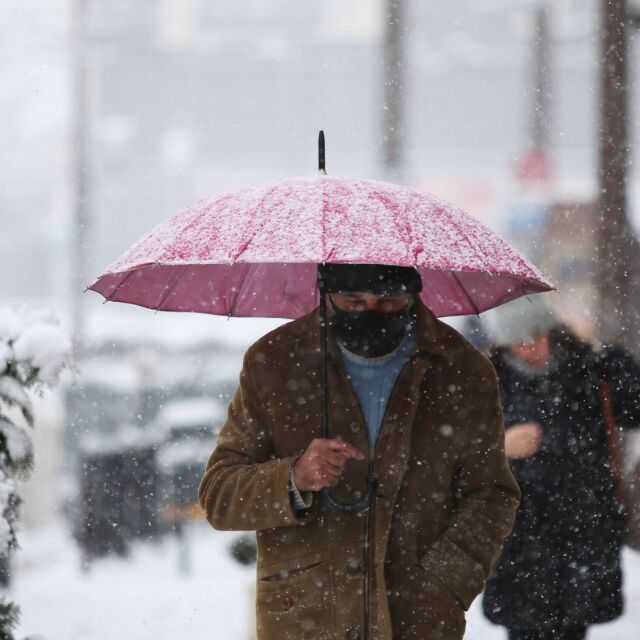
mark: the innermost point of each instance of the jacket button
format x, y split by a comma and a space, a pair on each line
354, 427
286, 603
453, 613
353, 567
353, 634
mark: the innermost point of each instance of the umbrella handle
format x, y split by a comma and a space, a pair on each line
351, 507
338, 507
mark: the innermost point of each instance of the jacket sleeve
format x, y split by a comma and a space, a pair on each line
487, 500
245, 487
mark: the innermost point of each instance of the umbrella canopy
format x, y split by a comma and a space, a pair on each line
254, 252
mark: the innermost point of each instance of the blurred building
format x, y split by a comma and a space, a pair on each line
128, 383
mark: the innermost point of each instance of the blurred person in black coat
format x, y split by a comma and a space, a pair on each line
560, 570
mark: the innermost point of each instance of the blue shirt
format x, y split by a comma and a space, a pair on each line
373, 380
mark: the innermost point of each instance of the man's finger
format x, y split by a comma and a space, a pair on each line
336, 459
340, 446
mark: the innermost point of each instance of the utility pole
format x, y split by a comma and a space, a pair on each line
393, 113
618, 251
541, 80
534, 173
80, 169
534, 170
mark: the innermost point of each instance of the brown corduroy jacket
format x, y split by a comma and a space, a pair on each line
410, 565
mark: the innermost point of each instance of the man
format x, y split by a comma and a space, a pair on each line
408, 391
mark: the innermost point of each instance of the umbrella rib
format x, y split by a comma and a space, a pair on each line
525, 293
235, 301
403, 230
115, 289
477, 249
257, 230
517, 285
475, 308
174, 280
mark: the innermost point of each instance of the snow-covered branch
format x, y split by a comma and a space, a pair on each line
33, 352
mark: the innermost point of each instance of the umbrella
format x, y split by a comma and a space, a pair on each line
255, 251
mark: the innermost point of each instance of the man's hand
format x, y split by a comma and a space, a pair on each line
523, 440
322, 463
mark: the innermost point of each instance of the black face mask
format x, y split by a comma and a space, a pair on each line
368, 333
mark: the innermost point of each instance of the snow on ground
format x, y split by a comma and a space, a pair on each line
144, 596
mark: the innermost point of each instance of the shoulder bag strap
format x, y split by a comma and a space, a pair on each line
613, 439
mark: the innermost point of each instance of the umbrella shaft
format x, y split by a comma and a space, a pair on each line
325, 363
365, 501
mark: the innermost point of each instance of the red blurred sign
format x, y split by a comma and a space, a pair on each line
534, 167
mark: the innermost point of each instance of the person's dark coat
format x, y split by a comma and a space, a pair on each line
445, 498
561, 565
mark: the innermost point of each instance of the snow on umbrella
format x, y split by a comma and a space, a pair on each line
254, 252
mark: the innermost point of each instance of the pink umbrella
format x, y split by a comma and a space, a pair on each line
255, 252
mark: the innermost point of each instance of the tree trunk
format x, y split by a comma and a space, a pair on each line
617, 249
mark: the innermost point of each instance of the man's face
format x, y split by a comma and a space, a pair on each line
358, 301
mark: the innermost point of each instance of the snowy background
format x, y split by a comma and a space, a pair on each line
188, 98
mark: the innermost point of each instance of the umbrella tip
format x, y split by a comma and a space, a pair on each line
322, 170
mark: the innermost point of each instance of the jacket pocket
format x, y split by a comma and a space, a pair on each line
296, 603
421, 607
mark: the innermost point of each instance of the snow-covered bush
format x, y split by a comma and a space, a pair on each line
33, 352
